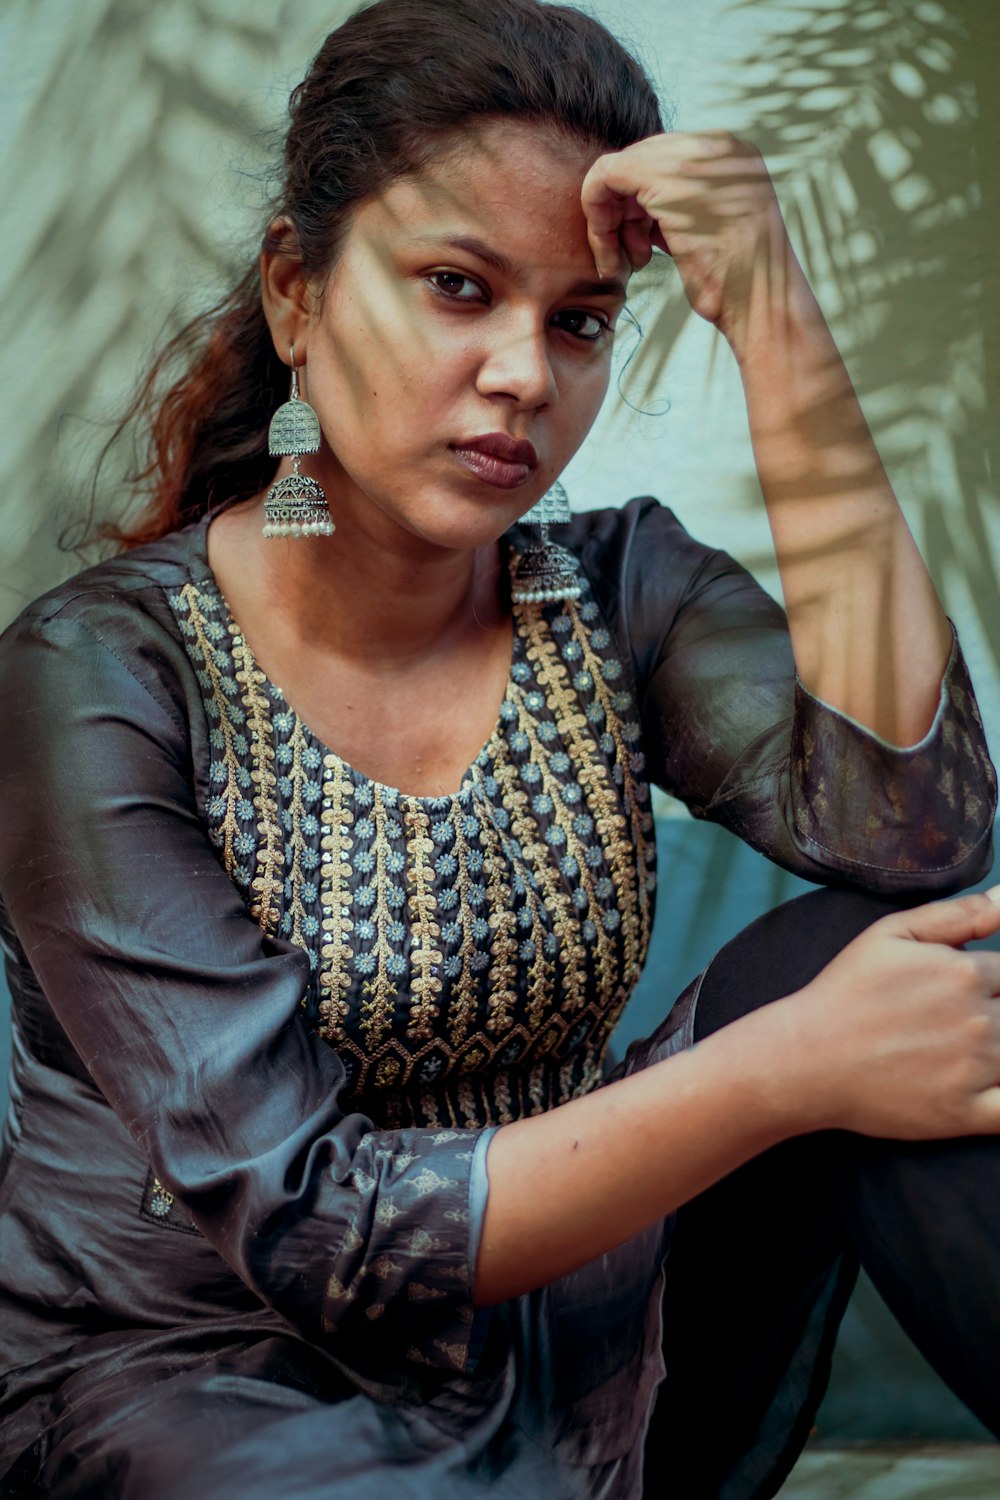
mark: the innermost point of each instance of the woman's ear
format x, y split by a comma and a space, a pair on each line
285, 288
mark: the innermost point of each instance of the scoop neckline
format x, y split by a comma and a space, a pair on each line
280, 703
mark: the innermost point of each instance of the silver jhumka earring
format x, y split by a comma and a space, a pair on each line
545, 571
295, 505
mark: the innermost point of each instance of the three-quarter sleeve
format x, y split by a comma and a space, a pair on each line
188, 1018
729, 730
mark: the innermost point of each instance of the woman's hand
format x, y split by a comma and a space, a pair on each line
899, 1035
707, 199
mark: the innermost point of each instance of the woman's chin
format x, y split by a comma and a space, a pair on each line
463, 526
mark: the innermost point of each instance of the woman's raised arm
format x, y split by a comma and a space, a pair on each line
868, 632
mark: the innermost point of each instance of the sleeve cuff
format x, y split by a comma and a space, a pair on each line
900, 813
479, 1190
399, 1289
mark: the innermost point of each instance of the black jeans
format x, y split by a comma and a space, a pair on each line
762, 1265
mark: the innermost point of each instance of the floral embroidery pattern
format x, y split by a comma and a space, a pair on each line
241, 808
298, 889
337, 925
629, 873
266, 886
380, 963
471, 954
426, 958
464, 863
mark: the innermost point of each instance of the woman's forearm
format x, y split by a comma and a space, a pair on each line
912, 1053
569, 1185
868, 632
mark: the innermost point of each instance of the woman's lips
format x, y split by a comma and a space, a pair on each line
498, 459
498, 471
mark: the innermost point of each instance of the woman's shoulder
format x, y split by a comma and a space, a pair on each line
658, 586
623, 547
614, 529
642, 563
130, 583
111, 622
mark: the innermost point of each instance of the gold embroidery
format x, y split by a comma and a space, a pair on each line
501, 1093
482, 1041
593, 1073
502, 920
536, 1090
592, 774
513, 984
430, 1107
467, 1103
191, 604
462, 1011
388, 1071
628, 858
426, 957
541, 971
379, 991
266, 887
336, 843
297, 776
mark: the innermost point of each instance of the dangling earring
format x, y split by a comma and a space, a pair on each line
295, 505
545, 571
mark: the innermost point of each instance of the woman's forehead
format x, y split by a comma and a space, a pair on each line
512, 186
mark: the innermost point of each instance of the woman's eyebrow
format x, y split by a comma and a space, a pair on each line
609, 286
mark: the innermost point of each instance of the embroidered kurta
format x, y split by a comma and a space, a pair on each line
277, 1008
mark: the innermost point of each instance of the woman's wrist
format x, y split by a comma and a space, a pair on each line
777, 1081
779, 323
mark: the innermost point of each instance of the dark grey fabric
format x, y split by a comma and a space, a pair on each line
159, 1031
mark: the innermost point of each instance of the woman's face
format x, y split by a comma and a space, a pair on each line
460, 350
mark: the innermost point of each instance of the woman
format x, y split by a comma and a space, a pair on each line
311, 1189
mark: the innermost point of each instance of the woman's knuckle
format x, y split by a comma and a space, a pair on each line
979, 1030
967, 976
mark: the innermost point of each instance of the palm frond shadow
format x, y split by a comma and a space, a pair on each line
866, 112
144, 124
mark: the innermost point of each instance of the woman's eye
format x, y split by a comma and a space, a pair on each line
453, 284
583, 325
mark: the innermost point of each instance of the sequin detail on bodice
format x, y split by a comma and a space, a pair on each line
470, 954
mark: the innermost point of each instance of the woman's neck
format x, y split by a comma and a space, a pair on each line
397, 660
365, 597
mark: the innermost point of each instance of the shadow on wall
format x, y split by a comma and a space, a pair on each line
879, 122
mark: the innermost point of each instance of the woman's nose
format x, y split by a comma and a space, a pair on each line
517, 366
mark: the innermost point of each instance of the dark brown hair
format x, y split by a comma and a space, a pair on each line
384, 92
